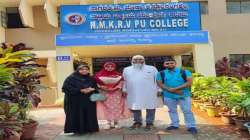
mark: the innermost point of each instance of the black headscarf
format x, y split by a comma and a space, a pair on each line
76, 81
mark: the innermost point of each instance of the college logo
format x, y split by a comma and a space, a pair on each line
75, 19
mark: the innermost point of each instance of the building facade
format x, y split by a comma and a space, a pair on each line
36, 23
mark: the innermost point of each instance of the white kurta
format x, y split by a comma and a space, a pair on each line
141, 86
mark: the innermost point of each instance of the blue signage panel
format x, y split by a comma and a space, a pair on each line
140, 38
142, 17
63, 58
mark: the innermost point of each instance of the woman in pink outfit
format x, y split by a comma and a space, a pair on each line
114, 107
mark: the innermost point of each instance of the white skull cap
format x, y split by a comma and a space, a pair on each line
138, 57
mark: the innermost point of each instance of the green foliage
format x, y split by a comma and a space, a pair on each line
6, 76
229, 92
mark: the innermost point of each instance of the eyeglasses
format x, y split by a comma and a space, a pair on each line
169, 63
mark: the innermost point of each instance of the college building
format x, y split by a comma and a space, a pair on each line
66, 32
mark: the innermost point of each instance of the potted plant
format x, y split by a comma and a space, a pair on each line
230, 103
26, 87
10, 126
243, 105
198, 88
229, 92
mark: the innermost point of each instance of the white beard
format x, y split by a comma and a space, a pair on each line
138, 66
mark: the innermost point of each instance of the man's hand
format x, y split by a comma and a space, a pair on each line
174, 90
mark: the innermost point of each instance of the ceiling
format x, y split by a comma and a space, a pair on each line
127, 51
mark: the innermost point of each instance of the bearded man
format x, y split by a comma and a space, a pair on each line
141, 89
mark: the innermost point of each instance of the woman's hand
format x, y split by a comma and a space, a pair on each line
87, 90
84, 91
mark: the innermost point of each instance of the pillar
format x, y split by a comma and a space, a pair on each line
178, 60
51, 13
204, 61
2, 29
26, 13
64, 66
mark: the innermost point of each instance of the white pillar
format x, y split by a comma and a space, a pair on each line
64, 68
51, 13
26, 13
2, 29
204, 61
51, 69
178, 60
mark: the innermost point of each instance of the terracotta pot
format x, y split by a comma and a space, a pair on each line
29, 130
12, 138
196, 105
239, 122
227, 118
212, 111
202, 106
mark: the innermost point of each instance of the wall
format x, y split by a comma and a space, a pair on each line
40, 38
230, 32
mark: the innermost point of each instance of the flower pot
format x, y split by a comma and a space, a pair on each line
227, 118
212, 111
29, 130
196, 104
13, 137
202, 106
239, 122
247, 125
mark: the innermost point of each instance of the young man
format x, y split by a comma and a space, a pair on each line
141, 89
175, 83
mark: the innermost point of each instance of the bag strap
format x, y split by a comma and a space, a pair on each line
182, 72
183, 75
162, 76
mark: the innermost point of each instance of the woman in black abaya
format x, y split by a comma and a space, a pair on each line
80, 111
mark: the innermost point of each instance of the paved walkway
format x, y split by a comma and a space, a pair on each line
52, 120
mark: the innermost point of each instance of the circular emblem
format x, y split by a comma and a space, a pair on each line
75, 19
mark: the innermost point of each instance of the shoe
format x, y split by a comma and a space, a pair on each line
192, 130
149, 127
136, 125
172, 128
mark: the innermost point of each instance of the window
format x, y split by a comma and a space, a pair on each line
3, 19
238, 6
14, 19
204, 7
239, 58
187, 60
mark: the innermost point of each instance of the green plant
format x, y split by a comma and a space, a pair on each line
243, 105
6, 76
26, 86
214, 89
10, 125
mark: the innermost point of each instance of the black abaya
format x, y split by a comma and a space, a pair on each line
80, 111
